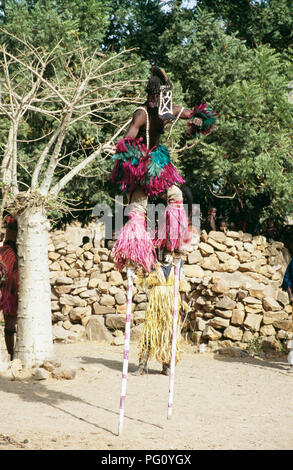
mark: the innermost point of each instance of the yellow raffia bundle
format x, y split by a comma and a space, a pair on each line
157, 335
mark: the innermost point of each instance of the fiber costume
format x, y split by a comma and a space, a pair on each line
134, 244
137, 165
151, 168
157, 334
173, 233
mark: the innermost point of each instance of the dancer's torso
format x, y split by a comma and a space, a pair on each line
156, 129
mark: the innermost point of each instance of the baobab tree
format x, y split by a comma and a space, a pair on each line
66, 89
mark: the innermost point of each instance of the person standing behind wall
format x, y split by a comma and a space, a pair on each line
9, 282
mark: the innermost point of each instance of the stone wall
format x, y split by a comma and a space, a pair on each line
235, 294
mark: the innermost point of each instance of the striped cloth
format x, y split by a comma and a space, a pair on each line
9, 286
288, 277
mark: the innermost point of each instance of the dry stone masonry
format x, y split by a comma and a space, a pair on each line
235, 294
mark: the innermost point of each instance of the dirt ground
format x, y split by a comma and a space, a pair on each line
220, 403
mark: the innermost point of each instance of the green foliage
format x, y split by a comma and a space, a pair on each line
232, 54
254, 346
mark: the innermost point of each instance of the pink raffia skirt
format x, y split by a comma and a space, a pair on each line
173, 233
134, 244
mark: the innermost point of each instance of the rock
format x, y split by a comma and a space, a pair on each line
270, 343
220, 287
229, 242
118, 341
219, 322
234, 333
116, 321
231, 351
196, 337
253, 321
194, 257
139, 317
53, 256
41, 374
237, 316
115, 278
88, 293
243, 256
193, 271
227, 314
93, 283
55, 306
251, 300
67, 324
269, 303
136, 332
106, 266
107, 300
139, 297
123, 308
270, 317
283, 325
120, 298
226, 303
253, 309
283, 297
230, 265
63, 374
201, 324
59, 333
103, 286
223, 257
232, 234
218, 236
210, 263
248, 247
211, 334
51, 364
205, 249
267, 330
55, 266
217, 246
74, 301
63, 289
248, 336
95, 330
102, 309
77, 313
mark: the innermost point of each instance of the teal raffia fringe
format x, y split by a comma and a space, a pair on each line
209, 120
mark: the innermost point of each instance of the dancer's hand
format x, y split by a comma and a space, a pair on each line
197, 122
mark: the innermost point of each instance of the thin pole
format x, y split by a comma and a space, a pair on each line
174, 336
290, 355
130, 275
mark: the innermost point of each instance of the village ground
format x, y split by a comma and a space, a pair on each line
220, 403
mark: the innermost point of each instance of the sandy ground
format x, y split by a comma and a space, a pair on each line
220, 403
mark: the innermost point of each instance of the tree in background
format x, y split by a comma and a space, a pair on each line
67, 89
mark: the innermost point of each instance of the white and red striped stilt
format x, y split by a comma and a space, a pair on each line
174, 336
130, 276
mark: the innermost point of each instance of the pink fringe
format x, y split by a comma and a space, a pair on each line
173, 231
134, 244
167, 178
128, 176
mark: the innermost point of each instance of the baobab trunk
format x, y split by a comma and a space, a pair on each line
34, 341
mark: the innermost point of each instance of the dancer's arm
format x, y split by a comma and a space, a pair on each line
186, 115
138, 120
